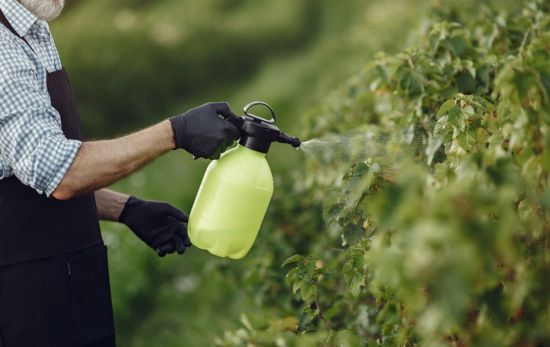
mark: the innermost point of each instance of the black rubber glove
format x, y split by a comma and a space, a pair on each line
205, 131
159, 224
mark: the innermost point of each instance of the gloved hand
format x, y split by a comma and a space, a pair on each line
159, 224
204, 131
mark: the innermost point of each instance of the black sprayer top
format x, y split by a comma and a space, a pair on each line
258, 133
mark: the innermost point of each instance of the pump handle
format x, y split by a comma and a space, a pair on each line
247, 108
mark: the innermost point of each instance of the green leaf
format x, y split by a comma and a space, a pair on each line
298, 285
434, 143
293, 259
291, 276
308, 291
353, 233
356, 183
485, 104
457, 44
456, 118
447, 105
354, 270
332, 212
355, 285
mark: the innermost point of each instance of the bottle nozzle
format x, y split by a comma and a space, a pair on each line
258, 133
293, 141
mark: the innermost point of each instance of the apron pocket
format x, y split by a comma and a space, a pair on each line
90, 295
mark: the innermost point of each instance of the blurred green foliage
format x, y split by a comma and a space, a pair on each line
419, 216
136, 59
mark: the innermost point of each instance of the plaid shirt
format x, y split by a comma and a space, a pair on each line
32, 144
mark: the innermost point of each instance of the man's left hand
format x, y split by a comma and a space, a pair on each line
159, 224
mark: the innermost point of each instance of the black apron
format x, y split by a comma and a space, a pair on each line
54, 279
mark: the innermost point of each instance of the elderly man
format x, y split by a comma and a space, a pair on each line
54, 282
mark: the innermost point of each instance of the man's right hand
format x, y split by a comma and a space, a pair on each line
205, 131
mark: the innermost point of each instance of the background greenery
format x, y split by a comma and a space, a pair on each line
419, 219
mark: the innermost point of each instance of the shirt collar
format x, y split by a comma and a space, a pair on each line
19, 17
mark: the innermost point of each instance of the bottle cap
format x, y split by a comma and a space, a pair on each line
258, 133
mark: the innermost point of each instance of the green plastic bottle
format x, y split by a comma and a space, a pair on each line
236, 189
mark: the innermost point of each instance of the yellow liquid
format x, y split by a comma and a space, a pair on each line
231, 203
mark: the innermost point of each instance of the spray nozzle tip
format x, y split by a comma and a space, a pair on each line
293, 141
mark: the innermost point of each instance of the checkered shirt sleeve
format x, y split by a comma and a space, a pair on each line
32, 144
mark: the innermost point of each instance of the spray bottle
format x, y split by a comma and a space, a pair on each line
236, 189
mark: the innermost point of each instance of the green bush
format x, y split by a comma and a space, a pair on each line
439, 232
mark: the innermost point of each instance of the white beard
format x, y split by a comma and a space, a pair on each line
44, 9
